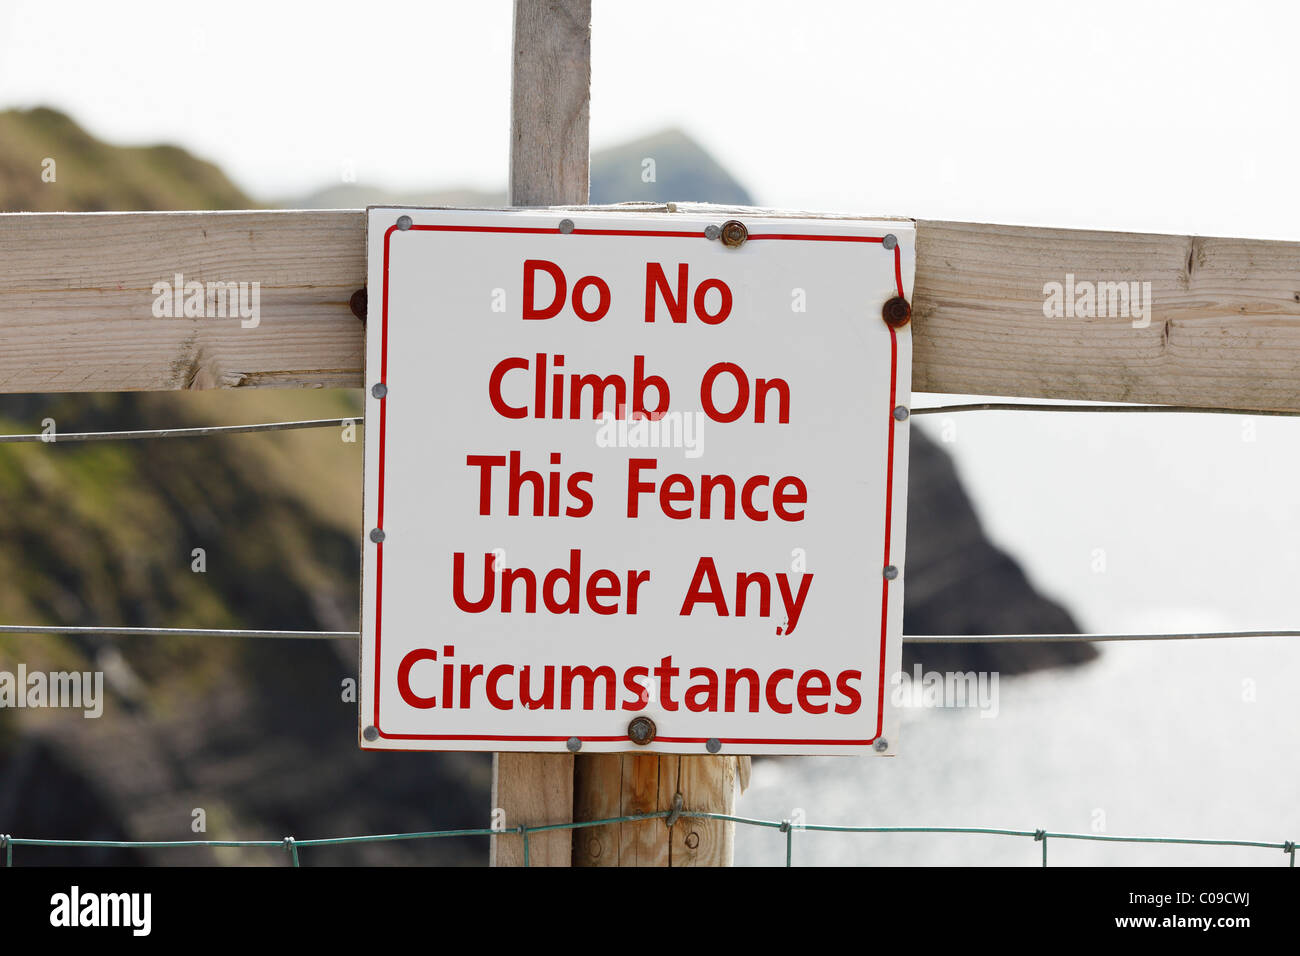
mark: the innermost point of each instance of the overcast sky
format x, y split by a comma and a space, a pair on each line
1162, 116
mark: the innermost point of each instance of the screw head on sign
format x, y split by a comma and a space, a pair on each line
881, 745
641, 730
377, 535
891, 572
379, 390
890, 241
897, 312
712, 232
734, 233
566, 226
713, 745
370, 733
403, 223
574, 744
901, 412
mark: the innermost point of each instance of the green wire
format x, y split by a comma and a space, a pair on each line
291, 845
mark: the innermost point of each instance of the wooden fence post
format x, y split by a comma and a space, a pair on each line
615, 785
549, 156
550, 96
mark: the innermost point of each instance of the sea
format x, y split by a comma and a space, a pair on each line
1137, 523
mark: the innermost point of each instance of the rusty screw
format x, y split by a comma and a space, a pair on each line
897, 312
734, 233
641, 730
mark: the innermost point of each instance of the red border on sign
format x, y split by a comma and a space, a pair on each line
889, 484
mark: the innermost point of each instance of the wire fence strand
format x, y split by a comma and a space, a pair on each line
292, 846
1132, 409
54, 438
110, 630
1090, 638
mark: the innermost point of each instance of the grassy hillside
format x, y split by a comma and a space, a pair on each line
92, 176
255, 733
682, 172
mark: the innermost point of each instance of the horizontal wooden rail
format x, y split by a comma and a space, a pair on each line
76, 306
1224, 325
76, 309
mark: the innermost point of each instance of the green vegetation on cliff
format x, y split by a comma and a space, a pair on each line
92, 176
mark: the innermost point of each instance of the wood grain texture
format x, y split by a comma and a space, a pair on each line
76, 300
533, 790
76, 309
550, 103
708, 784
598, 797
550, 93
1224, 326
614, 785
644, 843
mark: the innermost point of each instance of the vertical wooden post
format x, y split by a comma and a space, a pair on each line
615, 785
550, 97
549, 165
550, 103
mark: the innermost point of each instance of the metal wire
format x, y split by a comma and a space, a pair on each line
168, 632
59, 439
203, 431
1044, 407
292, 845
907, 638
1089, 638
